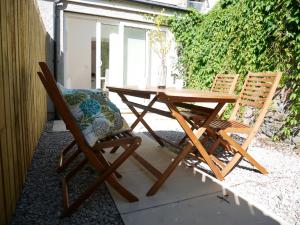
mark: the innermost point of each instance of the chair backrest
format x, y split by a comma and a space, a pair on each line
224, 83
258, 91
60, 104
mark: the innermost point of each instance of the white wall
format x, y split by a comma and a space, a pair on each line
203, 6
182, 3
79, 33
47, 13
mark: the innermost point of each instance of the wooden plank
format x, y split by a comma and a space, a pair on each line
4, 180
258, 84
2, 118
2, 194
224, 81
263, 74
225, 76
261, 79
10, 190
257, 93
22, 98
11, 79
153, 110
221, 87
21, 164
251, 103
253, 88
253, 98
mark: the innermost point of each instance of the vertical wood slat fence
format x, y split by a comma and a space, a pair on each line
23, 108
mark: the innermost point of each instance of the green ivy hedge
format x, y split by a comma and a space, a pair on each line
238, 36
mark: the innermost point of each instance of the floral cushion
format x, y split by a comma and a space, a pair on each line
96, 116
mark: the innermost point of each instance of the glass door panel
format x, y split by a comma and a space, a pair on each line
106, 53
134, 56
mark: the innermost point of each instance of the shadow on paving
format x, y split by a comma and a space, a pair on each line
41, 199
176, 136
187, 197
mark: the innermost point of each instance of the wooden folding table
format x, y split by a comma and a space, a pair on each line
174, 98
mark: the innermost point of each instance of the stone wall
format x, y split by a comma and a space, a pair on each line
274, 120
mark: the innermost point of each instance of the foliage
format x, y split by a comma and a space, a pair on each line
158, 40
238, 36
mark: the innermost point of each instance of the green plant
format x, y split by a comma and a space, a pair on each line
158, 39
240, 36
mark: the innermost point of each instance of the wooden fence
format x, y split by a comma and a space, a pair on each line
23, 107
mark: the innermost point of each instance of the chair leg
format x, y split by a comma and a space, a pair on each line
182, 140
106, 171
233, 162
117, 174
214, 146
63, 163
114, 149
185, 137
112, 181
242, 152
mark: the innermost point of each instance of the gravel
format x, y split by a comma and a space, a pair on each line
41, 199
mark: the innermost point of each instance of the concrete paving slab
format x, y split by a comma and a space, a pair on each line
182, 184
151, 151
185, 198
206, 210
59, 125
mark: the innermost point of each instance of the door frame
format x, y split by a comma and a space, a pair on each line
121, 25
99, 23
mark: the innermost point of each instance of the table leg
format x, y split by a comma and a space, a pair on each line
194, 138
170, 169
194, 141
140, 117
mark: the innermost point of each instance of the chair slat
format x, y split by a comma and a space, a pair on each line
257, 84
224, 83
266, 74
258, 95
251, 103
253, 97
253, 88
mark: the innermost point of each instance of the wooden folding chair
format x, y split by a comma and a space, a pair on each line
223, 83
93, 155
257, 92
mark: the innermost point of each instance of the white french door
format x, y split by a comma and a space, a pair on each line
100, 52
108, 59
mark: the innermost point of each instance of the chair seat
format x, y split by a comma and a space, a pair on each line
224, 124
193, 116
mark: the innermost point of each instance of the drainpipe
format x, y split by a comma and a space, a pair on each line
55, 35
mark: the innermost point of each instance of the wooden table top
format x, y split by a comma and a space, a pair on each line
174, 94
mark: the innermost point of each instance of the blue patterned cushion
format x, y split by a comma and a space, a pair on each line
96, 116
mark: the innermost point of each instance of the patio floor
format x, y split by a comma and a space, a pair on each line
186, 197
